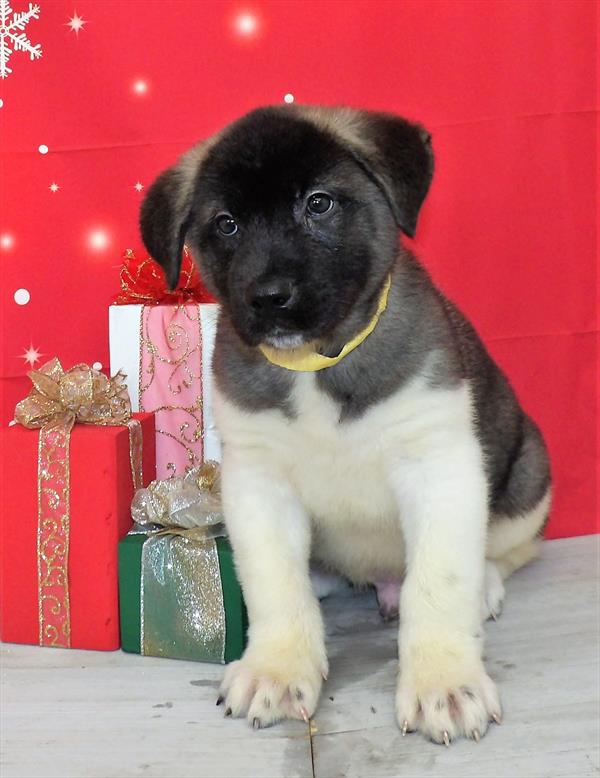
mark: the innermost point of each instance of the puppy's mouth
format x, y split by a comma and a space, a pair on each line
284, 340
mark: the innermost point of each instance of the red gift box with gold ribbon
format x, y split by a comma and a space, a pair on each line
69, 480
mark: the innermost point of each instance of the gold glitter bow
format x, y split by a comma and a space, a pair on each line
188, 505
56, 402
80, 394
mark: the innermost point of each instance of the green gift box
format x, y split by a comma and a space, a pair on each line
178, 591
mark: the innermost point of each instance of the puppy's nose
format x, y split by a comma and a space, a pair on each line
271, 296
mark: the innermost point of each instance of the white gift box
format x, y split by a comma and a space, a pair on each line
166, 353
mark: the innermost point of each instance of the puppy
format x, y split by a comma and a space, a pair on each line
364, 424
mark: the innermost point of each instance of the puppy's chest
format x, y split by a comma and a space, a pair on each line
337, 466
344, 469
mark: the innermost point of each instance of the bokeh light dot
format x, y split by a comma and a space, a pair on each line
1, 103
43, 149
140, 87
246, 24
97, 365
289, 98
22, 296
98, 239
7, 241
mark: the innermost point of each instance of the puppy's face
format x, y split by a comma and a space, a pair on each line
288, 229
289, 221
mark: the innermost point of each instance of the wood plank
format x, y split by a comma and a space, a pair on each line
96, 715
543, 652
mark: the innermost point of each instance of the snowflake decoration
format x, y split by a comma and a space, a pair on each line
9, 35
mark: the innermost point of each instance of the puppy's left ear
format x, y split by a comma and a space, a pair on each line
167, 211
395, 153
399, 157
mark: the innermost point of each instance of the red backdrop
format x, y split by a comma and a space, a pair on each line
507, 89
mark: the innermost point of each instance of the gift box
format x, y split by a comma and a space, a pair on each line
163, 341
179, 594
66, 504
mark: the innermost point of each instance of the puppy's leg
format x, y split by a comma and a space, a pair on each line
443, 689
511, 543
281, 672
492, 600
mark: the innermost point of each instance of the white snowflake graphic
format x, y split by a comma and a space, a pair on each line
11, 40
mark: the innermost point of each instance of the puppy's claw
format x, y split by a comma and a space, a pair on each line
404, 727
255, 723
227, 712
475, 735
446, 739
220, 700
304, 714
494, 615
497, 718
324, 675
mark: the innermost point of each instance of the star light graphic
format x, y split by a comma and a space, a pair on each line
75, 23
54, 187
139, 186
31, 355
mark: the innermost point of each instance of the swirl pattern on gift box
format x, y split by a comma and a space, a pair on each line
170, 383
57, 401
53, 536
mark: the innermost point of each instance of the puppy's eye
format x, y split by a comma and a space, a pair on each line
226, 224
319, 203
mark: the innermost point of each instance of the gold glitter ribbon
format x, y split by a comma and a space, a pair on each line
58, 400
181, 595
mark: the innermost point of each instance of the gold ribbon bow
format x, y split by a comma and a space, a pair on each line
188, 505
80, 394
56, 402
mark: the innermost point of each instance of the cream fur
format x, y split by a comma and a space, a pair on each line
403, 485
506, 535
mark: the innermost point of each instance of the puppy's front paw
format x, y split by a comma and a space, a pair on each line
269, 686
463, 706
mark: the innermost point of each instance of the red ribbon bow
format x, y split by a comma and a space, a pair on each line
143, 282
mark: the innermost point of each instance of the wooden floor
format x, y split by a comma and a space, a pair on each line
80, 714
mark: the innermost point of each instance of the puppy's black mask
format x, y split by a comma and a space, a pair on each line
293, 215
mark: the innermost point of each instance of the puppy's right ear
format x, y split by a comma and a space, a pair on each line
167, 210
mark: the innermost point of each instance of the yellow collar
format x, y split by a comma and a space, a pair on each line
305, 359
